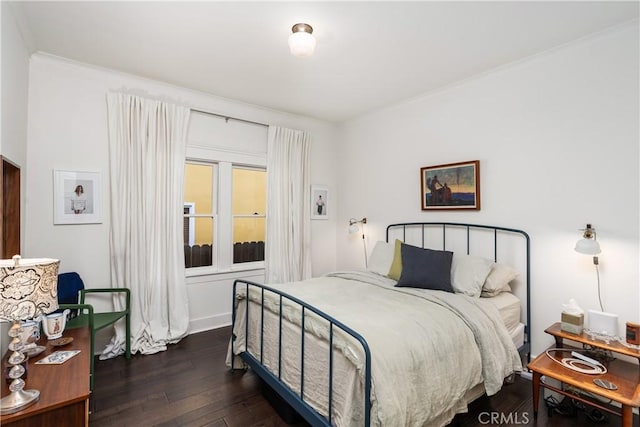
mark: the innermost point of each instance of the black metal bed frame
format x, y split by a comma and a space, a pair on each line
295, 399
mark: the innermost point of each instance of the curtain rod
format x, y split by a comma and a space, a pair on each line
227, 118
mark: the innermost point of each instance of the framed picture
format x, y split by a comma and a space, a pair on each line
320, 203
452, 186
77, 197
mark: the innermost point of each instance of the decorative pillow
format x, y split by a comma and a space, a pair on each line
396, 265
381, 258
468, 273
425, 268
498, 280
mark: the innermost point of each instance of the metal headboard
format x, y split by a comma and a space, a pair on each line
423, 228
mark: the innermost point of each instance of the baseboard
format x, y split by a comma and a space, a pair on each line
210, 322
527, 375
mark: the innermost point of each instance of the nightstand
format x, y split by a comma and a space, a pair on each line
64, 389
624, 374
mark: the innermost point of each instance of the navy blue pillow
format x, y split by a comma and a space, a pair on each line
425, 268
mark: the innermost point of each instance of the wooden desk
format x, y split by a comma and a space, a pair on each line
64, 389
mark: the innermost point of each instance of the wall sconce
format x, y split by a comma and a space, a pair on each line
588, 245
354, 227
301, 42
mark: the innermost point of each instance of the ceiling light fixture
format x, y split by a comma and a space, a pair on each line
301, 42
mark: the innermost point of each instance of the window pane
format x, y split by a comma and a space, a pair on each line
249, 206
249, 237
247, 229
198, 187
198, 245
249, 191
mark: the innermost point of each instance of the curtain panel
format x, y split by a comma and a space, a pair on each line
287, 249
147, 140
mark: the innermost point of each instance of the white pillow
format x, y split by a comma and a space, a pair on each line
498, 280
468, 273
381, 258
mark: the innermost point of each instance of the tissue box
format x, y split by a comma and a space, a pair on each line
572, 323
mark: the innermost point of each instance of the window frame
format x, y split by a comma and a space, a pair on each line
223, 210
213, 215
259, 215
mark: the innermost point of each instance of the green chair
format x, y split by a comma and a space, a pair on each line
70, 287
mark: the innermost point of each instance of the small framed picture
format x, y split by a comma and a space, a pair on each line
77, 197
451, 186
320, 203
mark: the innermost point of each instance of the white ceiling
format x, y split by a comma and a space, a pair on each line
368, 55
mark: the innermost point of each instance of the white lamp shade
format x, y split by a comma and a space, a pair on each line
302, 43
28, 288
353, 228
588, 247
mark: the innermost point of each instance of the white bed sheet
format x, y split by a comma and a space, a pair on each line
517, 335
509, 306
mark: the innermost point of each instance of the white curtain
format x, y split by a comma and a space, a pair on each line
146, 153
287, 250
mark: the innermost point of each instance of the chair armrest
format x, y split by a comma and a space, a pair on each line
77, 307
127, 292
105, 290
80, 307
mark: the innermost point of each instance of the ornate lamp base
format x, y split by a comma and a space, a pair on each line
18, 400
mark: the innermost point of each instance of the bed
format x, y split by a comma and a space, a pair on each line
378, 347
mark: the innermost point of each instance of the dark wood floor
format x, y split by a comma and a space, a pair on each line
189, 385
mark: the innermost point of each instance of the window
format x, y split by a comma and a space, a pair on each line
224, 195
224, 215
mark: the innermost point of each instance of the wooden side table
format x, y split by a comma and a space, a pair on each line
623, 374
614, 346
64, 389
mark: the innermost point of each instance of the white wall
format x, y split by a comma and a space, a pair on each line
15, 76
13, 140
557, 140
68, 131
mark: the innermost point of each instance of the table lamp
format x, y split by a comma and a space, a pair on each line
28, 288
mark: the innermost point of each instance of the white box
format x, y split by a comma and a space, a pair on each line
603, 323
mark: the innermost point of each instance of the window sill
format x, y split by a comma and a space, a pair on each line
209, 271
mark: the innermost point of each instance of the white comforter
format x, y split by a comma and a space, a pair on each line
429, 348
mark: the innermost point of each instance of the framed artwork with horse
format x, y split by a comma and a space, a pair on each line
450, 186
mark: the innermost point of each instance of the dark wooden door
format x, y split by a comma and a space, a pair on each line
10, 208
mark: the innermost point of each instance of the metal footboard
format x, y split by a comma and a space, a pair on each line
274, 379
